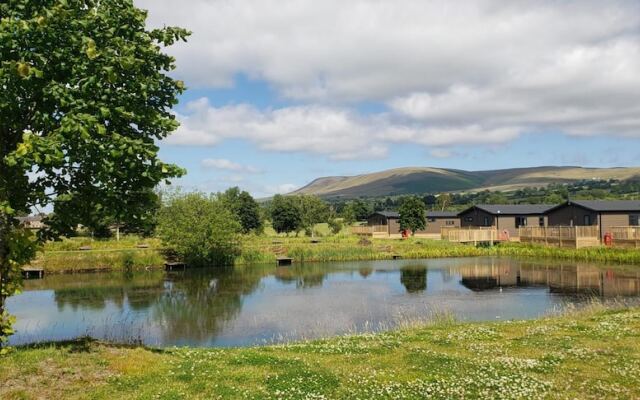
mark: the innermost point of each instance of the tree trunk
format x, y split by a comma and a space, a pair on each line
4, 264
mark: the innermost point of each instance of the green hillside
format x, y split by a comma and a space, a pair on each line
414, 180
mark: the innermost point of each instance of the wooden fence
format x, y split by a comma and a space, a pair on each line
625, 236
470, 235
561, 236
370, 230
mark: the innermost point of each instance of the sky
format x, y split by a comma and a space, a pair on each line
281, 92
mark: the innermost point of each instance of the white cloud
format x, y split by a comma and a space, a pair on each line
284, 188
463, 72
224, 164
336, 133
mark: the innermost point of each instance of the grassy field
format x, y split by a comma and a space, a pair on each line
590, 354
65, 256
104, 255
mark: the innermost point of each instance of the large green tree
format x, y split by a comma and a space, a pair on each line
412, 214
85, 96
286, 215
245, 207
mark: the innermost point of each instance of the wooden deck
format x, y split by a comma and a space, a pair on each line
473, 235
370, 230
32, 273
561, 236
625, 236
174, 266
282, 261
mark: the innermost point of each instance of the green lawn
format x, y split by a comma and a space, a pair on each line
592, 354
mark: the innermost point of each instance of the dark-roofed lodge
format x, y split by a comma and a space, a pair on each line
610, 216
505, 218
388, 223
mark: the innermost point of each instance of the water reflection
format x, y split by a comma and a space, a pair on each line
414, 278
561, 278
242, 306
196, 305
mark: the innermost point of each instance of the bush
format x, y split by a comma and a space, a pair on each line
335, 225
200, 229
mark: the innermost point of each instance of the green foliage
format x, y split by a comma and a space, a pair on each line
312, 211
85, 97
19, 247
286, 215
245, 208
200, 229
412, 214
335, 225
356, 210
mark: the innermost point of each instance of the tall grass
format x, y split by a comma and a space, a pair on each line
60, 262
112, 255
590, 254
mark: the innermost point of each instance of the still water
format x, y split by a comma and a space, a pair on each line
264, 304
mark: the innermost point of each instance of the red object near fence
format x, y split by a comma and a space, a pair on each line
608, 239
405, 234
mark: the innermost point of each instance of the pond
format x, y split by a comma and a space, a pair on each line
265, 304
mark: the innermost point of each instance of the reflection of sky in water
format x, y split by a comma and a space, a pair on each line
256, 304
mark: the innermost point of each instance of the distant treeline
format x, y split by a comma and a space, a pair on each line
552, 194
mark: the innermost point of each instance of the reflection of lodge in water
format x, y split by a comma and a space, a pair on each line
570, 279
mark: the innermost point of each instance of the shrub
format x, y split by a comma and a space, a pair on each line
200, 229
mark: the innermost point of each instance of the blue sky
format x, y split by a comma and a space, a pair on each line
281, 93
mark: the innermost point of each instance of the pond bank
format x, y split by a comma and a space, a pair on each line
594, 353
111, 256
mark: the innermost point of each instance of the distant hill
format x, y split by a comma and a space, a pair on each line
412, 180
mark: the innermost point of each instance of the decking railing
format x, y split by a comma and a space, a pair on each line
625, 236
469, 234
370, 230
561, 236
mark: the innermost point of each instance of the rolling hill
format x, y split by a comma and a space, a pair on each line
412, 180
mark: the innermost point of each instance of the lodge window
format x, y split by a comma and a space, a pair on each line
450, 222
521, 221
587, 220
541, 221
486, 221
431, 219
634, 219
468, 219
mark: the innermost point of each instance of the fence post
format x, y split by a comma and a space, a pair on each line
559, 236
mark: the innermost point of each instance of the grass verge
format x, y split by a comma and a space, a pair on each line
112, 255
590, 354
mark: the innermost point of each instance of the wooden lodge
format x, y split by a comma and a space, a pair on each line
31, 222
605, 215
575, 223
505, 218
387, 224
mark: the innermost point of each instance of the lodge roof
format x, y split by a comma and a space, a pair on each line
429, 214
604, 205
512, 209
